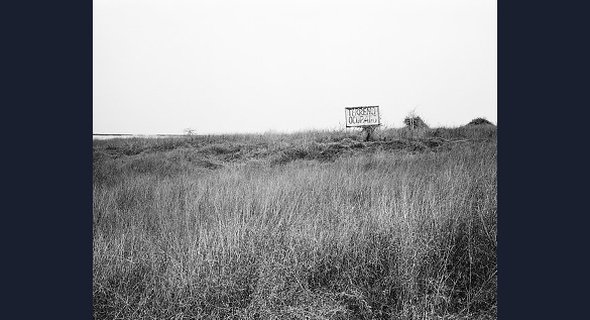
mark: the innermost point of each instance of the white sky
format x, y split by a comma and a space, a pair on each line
226, 66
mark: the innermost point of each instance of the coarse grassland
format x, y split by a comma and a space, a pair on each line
311, 225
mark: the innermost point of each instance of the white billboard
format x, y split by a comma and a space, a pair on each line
362, 116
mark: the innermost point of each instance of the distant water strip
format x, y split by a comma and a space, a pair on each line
106, 136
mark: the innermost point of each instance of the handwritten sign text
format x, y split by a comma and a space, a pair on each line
362, 116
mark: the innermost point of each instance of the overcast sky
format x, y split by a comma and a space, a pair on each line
226, 66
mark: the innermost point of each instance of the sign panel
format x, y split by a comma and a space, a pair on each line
362, 116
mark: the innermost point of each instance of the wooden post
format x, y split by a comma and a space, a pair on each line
369, 130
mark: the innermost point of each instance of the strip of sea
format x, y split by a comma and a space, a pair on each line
106, 136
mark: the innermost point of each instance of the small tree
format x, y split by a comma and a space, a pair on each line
189, 131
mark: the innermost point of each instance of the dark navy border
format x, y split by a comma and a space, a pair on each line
542, 91
47, 159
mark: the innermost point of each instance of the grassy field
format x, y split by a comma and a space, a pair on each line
312, 225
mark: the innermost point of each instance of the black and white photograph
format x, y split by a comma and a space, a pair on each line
294, 159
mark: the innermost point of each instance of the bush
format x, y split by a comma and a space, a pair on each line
415, 122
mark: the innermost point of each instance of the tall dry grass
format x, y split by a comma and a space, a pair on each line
383, 234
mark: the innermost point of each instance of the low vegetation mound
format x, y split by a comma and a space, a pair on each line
480, 122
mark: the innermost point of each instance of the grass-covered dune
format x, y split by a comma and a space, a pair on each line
312, 225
